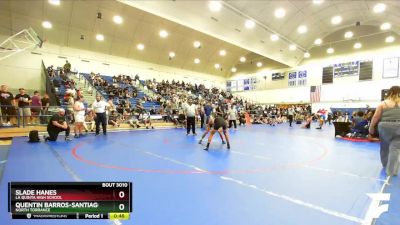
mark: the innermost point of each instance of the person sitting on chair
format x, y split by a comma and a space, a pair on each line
360, 125
57, 125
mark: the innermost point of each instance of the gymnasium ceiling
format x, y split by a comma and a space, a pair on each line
215, 30
71, 19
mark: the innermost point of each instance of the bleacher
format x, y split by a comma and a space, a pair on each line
133, 100
61, 89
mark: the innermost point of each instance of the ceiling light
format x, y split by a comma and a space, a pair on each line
215, 6
222, 52
306, 55
233, 70
54, 2
249, 24
217, 66
47, 24
100, 37
140, 47
274, 37
292, 47
380, 7
197, 44
386, 26
196, 60
330, 50
336, 20
118, 19
318, 2
302, 29
171, 54
357, 45
318, 41
348, 34
259, 64
242, 59
279, 13
163, 33
389, 39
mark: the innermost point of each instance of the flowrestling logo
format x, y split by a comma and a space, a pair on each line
376, 209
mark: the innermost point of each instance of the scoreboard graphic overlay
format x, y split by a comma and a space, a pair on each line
70, 200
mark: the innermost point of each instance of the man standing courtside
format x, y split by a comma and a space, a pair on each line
290, 114
100, 106
191, 113
7, 106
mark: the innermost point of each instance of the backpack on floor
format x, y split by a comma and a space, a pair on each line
34, 136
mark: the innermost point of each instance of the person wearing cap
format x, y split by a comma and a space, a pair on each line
57, 125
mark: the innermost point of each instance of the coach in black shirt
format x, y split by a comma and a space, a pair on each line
7, 104
57, 125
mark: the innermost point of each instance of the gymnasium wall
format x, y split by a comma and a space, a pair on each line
345, 88
24, 69
86, 61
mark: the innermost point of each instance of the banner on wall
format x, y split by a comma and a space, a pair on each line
292, 79
246, 84
391, 68
228, 86
240, 85
346, 69
278, 76
302, 78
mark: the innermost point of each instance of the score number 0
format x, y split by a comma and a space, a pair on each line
121, 206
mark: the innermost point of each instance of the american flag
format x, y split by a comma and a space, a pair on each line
315, 93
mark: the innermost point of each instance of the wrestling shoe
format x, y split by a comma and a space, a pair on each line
208, 145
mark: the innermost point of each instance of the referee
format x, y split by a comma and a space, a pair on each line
100, 107
191, 113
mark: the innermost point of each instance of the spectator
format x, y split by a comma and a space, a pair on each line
139, 107
67, 67
113, 119
79, 116
202, 115
232, 116
208, 109
45, 104
134, 121
36, 106
89, 121
7, 106
70, 107
388, 115
23, 101
359, 125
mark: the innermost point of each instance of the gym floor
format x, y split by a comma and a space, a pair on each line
272, 175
